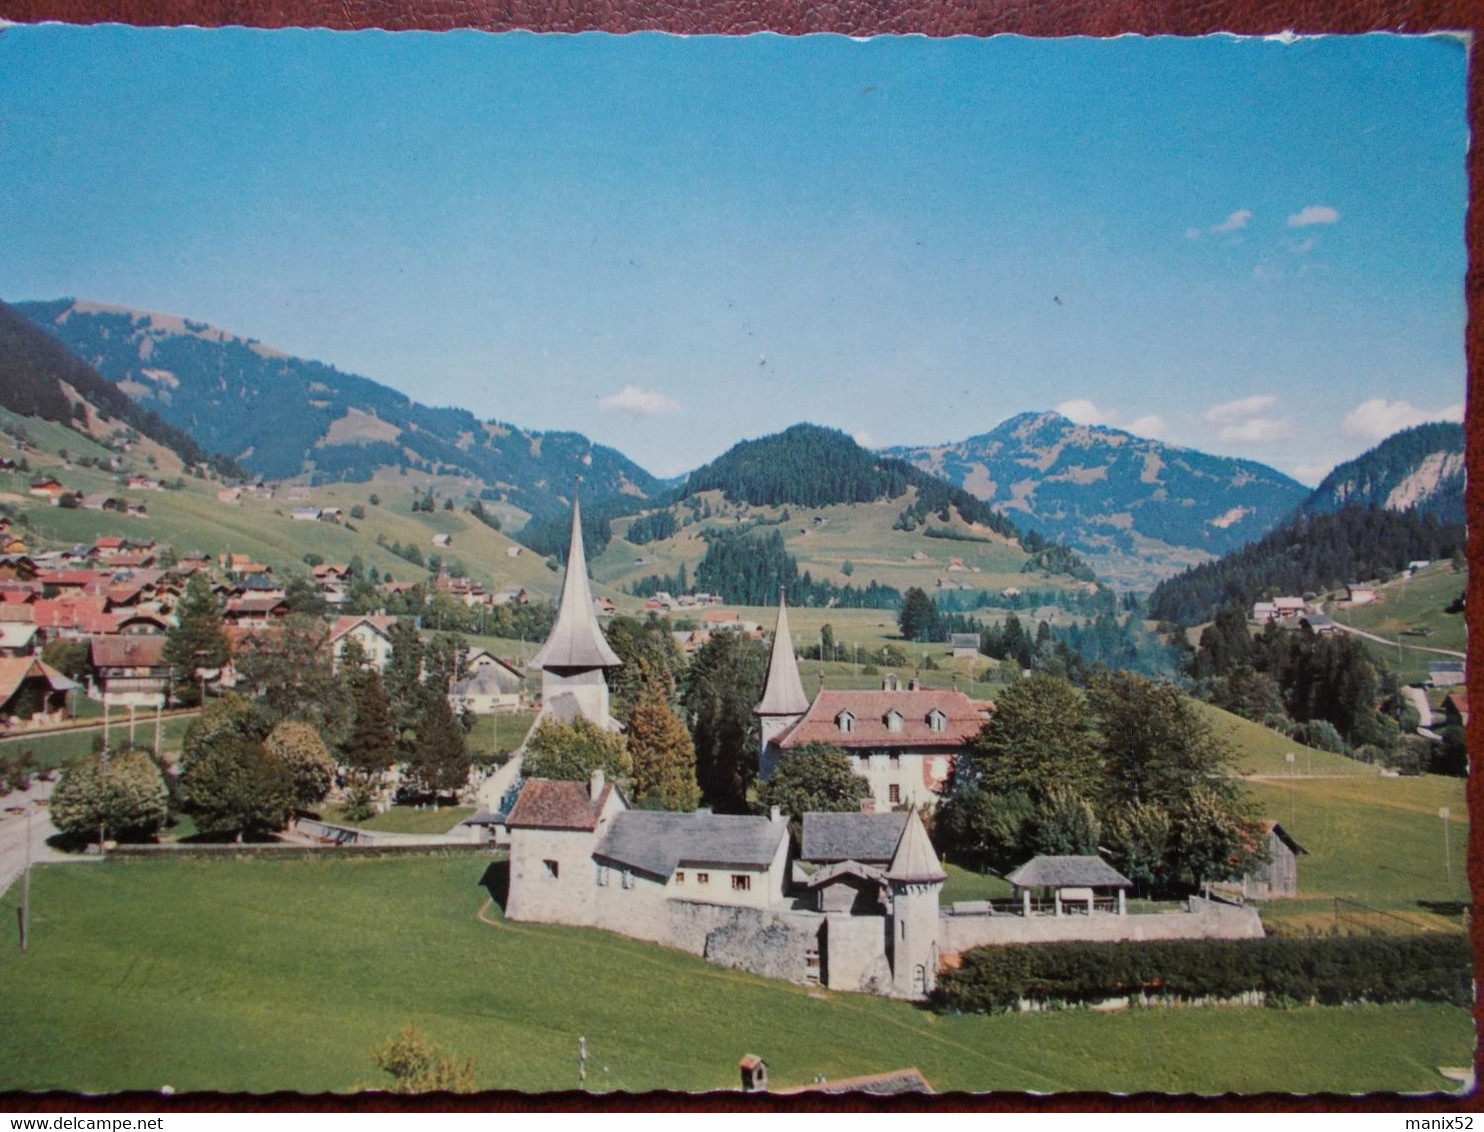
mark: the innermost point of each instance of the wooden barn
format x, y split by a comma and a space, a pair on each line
1279, 877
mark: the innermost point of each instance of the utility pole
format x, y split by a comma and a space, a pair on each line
582, 1063
1446, 814
26, 884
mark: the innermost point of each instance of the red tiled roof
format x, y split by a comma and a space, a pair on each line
1460, 701
85, 614
964, 719
141, 651
73, 577
546, 803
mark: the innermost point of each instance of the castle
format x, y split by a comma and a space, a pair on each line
855, 907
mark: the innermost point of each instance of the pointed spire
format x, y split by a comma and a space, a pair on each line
576, 641
784, 692
915, 861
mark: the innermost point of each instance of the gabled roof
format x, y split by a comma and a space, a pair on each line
16, 669
139, 651
658, 843
547, 803
1276, 830
865, 838
964, 719
832, 873
576, 641
381, 624
783, 694
1068, 872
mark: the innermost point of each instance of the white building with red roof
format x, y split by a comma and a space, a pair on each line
902, 739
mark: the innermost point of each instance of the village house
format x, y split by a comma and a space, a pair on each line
901, 740
491, 685
963, 644
130, 670
372, 632
1360, 595
1445, 673
47, 487
17, 638
32, 691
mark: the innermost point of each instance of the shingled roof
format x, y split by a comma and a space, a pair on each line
1068, 872
870, 839
783, 694
658, 843
576, 641
546, 803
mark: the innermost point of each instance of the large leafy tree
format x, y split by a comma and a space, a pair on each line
649, 653
196, 641
121, 796
237, 787
814, 778
572, 751
662, 754
723, 683
303, 753
289, 669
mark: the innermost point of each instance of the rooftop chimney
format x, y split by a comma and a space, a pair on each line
595, 784
775, 814
914, 684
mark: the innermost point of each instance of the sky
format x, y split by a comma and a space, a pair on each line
1245, 246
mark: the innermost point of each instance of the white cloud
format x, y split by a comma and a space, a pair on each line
1153, 426
639, 402
1235, 221
1081, 411
1378, 418
1230, 411
1192, 233
1257, 429
864, 439
1310, 474
1313, 214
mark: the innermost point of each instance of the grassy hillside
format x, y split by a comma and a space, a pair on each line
259, 975
192, 518
1413, 612
824, 539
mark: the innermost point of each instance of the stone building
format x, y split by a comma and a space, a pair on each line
901, 739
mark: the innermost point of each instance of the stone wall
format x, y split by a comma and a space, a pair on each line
772, 944
536, 894
1208, 921
855, 954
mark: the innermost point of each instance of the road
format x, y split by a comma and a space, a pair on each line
1340, 625
34, 826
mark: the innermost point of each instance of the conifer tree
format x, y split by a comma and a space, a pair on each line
197, 640
662, 754
371, 748
440, 759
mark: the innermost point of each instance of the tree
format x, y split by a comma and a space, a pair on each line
415, 1065
70, 658
440, 759
289, 668
661, 753
370, 749
649, 654
1038, 735
722, 684
196, 641
918, 617
572, 751
402, 677
302, 597
122, 795
826, 641
229, 718
303, 753
237, 787
814, 778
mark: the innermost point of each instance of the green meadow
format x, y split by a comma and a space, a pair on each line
58, 747
255, 975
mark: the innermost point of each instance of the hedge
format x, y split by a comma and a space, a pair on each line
1326, 970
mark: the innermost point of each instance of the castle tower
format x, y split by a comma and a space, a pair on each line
784, 702
916, 880
574, 656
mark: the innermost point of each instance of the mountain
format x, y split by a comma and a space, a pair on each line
1420, 468
282, 416
1137, 509
40, 378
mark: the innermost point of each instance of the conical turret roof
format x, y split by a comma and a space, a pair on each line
915, 861
784, 692
576, 641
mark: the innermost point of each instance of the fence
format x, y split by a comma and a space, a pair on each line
1354, 914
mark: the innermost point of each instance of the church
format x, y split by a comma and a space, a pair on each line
861, 914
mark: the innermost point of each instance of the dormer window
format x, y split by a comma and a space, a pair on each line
937, 720
893, 720
845, 721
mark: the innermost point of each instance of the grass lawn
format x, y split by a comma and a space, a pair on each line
500, 731
60, 747
1262, 751
404, 819
255, 975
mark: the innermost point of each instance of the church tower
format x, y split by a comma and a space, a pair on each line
784, 702
574, 656
916, 881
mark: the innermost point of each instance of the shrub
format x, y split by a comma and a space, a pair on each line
124, 795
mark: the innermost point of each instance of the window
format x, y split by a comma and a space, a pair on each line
894, 761
703, 878
680, 878
845, 721
552, 868
894, 794
937, 720
893, 720
602, 874
741, 882
628, 878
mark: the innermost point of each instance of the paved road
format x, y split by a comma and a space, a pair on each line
1340, 625
1419, 701
35, 826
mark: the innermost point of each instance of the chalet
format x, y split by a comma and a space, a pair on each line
106, 546
17, 638
491, 685
1456, 709
255, 611
67, 582
1360, 595
1445, 673
17, 568
305, 514
372, 633
8, 464
689, 641
229, 495
31, 691
130, 670
902, 740
102, 501
12, 544
135, 509
138, 622
143, 483
956, 565
138, 559
73, 618
512, 552
721, 619
603, 607
1264, 611
964, 644
330, 571
1317, 623
47, 488
1289, 606
442, 540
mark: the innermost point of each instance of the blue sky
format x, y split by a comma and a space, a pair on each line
1245, 246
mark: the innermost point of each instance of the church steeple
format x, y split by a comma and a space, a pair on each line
783, 694
574, 656
576, 641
